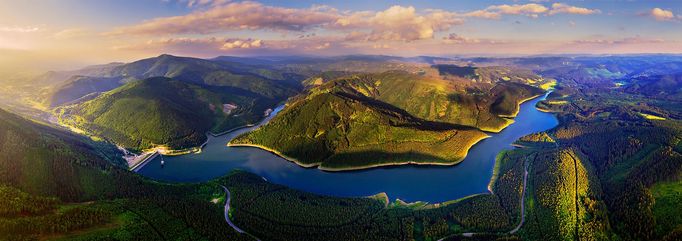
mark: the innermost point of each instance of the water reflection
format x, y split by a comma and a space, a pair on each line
409, 183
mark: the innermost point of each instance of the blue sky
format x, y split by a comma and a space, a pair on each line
85, 31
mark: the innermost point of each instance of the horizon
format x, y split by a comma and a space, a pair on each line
453, 57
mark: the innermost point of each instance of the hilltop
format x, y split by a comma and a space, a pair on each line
161, 112
390, 118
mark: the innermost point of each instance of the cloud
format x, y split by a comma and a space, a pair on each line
193, 45
325, 45
212, 46
496, 11
397, 23
454, 38
19, 29
558, 8
483, 14
533, 10
199, 3
71, 33
235, 16
662, 15
242, 44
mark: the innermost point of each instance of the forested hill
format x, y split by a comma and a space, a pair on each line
339, 131
480, 105
236, 78
54, 185
390, 118
162, 112
51, 162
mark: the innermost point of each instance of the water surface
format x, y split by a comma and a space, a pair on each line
409, 183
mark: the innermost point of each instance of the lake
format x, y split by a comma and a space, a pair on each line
409, 183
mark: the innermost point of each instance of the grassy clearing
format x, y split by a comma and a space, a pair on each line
651, 117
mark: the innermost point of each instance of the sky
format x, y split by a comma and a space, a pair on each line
63, 34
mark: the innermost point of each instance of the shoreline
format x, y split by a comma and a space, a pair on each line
510, 118
362, 167
231, 130
277, 153
518, 106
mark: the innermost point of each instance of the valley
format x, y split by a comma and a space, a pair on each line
596, 157
213, 120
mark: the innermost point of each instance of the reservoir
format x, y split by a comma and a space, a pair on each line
408, 182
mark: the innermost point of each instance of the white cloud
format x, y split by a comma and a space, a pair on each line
454, 38
662, 14
19, 29
533, 10
397, 23
71, 33
242, 44
558, 8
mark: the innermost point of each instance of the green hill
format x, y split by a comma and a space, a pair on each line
59, 186
161, 112
240, 77
78, 87
45, 161
339, 127
256, 81
478, 105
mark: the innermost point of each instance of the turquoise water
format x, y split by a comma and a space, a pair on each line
409, 183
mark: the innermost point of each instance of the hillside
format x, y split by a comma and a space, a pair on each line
480, 105
57, 185
236, 78
45, 161
78, 87
341, 131
241, 77
161, 112
356, 123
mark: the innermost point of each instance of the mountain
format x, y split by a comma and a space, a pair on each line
80, 86
341, 129
205, 95
395, 117
479, 105
162, 112
210, 73
668, 85
241, 78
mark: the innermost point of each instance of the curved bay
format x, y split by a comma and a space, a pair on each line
409, 183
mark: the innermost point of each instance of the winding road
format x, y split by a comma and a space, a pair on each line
523, 214
523, 193
227, 211
227, 214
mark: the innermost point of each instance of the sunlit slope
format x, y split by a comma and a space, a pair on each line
481, 106
339, 132
342, 128
79, 87
160, 112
